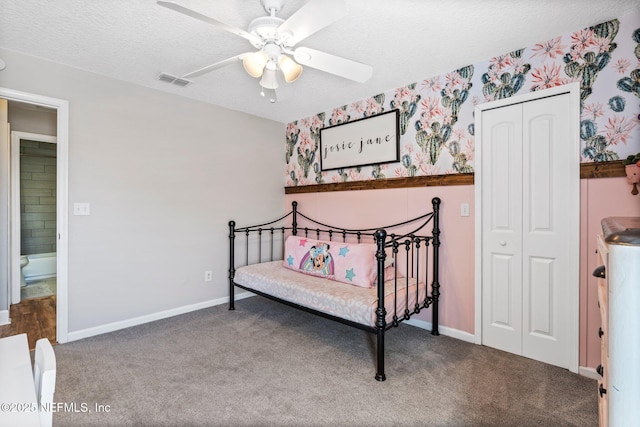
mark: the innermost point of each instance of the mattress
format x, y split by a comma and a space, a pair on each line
338, 299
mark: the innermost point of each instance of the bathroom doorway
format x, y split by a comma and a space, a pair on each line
23, 109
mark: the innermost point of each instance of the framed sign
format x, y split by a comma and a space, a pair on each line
362, 142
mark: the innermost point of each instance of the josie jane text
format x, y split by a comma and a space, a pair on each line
360, 145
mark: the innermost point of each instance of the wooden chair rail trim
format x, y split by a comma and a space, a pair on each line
587, 171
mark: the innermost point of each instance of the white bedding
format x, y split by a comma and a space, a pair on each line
338, 299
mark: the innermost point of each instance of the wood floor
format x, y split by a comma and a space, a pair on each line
35, 317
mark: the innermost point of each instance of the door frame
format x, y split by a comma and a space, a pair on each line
573, 205
62, 196
14, 215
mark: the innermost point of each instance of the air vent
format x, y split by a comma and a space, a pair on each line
178, 81
181, 82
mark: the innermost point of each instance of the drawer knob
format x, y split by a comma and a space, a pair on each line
600, 332
600, 370
600, 272
503, 243
602, 390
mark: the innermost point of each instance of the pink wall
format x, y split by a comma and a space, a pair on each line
599, 198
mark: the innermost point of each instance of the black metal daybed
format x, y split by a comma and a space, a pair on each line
371, 279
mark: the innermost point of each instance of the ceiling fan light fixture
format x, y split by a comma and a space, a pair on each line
291, 69
269, 79
274, 39
254, 63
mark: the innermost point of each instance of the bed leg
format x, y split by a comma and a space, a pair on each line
380, 325
232, 238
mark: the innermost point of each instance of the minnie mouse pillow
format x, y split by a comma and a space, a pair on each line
350, 263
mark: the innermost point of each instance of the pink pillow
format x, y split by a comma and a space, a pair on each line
389, 273
390, 269
350, 263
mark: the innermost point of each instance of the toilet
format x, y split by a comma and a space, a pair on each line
23, 262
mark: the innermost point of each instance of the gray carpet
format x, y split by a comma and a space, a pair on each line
270, 365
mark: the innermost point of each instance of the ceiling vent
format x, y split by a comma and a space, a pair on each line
178, 81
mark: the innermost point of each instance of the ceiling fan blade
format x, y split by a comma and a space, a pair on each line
215, 66
342, 67
192, 13
312, 17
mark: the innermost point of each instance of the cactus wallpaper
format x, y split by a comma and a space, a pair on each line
436, 114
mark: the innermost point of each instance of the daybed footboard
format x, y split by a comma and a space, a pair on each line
405, 274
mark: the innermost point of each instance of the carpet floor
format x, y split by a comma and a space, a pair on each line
266, 364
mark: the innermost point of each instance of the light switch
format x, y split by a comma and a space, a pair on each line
464, 209
81, 209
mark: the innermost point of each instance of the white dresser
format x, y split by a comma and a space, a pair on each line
619, 301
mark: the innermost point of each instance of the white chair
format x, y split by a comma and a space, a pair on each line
44, 377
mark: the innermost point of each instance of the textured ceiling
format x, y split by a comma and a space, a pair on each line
404, 40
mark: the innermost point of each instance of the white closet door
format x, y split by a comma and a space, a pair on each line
525, 229
502, 228
546, 224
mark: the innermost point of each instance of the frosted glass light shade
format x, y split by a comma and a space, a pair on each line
269, 79
254, 64
290, 69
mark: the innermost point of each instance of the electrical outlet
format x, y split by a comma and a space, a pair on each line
208, 276
81, 209
464, 209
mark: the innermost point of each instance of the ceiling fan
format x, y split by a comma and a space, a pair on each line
275, 40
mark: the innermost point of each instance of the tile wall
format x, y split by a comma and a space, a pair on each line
37, 197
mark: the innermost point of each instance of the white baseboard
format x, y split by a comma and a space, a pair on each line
4, 317
450, 332
589, 373
122, 324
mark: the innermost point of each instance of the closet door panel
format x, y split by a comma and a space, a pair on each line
502, 228
545, 225
540, 173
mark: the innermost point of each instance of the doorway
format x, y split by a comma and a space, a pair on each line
527, 190
61, 108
